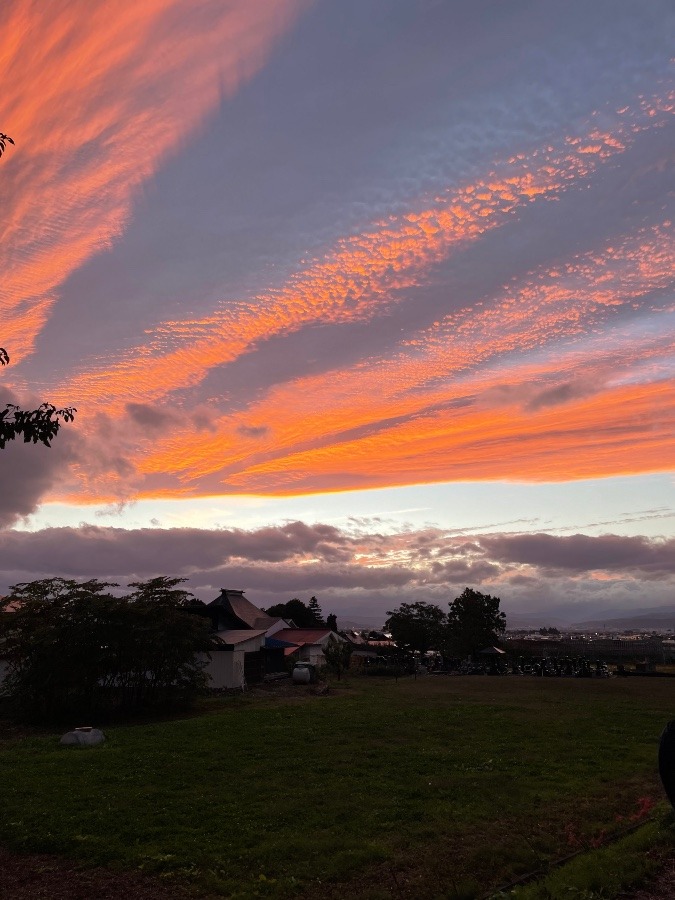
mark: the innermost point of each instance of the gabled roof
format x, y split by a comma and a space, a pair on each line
235, 611
304, 635
239, 635
354, 637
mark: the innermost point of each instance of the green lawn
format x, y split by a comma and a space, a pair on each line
379, 789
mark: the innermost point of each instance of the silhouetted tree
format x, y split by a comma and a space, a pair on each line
296, 610
417, 626
338, 655
331, 622
74, 649
474, 622
316, 610
39, 425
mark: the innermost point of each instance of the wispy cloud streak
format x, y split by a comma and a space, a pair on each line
360, 276
457, 382
96, 97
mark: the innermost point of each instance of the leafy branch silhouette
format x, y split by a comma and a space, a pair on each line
4, 140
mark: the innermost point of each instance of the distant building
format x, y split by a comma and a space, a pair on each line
251, 644
608, 649
240, 629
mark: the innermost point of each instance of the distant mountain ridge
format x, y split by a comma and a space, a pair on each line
658, 618
516, 621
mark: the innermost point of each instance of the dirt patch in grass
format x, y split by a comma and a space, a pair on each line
37, 876
661, 887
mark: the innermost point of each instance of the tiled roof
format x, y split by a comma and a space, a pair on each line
238, 609
354, 638
303, 635
238, 635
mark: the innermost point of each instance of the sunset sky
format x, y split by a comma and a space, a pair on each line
367, 299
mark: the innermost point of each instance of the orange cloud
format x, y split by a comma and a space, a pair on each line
625, 431
98, 102
357, 278
417, 397
96, 95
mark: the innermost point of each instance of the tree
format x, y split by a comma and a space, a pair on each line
417, 626
76, 650
39, 425
338, 654
36, 425
295, 610
316, 611
474, 622
331, 622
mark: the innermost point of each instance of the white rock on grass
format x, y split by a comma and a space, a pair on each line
83, 737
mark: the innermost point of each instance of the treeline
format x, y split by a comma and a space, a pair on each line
303, 615
73, 649
472, 623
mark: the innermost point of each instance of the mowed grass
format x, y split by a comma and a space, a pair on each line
439, 787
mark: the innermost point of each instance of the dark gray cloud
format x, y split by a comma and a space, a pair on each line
29, 471
562, 393
148, 417
541, 575
580, 553
90, 549
253, 431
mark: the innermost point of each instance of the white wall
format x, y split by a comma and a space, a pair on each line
221, 669
225, 668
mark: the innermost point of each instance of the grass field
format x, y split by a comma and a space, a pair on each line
439, 787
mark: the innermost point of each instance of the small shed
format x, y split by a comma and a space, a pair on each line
237, 659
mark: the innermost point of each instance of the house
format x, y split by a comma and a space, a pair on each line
382, 641
251, 644
237, 660
240, 629
307, 643
231, 611
362, 652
